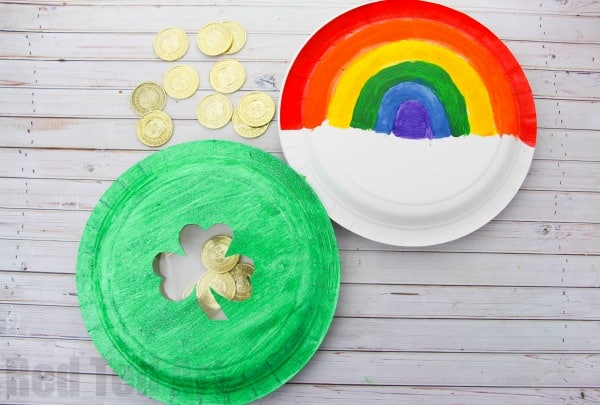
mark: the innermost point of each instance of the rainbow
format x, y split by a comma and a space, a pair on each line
413, 69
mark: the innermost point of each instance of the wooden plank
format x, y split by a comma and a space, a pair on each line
94, 133
503, 237
109, 164
47, 256
379, 301
402, 395
557, 176
430, 368
126, 75
566, 144
563, 84
98, 164
66, 388
496, 236
69, 388
32, 321
373, 267
273, 47
366, 334
16, 224
73, 18
462, 336
578, 7
362, 368
467, 302
571, 114
113, 103
552, 206
260, 76
76, 195
483, 269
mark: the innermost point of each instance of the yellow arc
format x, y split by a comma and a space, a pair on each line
366, 65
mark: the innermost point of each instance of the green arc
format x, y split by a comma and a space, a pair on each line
434, 77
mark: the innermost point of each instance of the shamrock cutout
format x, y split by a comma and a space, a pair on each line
205, 269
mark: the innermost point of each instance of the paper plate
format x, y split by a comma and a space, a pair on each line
170, 350
414, 123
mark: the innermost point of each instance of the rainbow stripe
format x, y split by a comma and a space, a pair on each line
411, 68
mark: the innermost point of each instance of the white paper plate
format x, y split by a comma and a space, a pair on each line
387, 187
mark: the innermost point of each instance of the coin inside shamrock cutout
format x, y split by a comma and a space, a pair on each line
206, 268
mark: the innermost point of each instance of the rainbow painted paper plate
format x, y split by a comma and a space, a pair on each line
413, 122
171, 350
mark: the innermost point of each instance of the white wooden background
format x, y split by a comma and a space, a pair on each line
507, 315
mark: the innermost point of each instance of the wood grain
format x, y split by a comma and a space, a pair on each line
508, 314
379, 334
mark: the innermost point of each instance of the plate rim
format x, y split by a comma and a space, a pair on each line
338, 215
102, 338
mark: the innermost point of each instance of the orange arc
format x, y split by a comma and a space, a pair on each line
321, 83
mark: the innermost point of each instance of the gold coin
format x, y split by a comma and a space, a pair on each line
181, 81
227, 76
241, 275
214, 39
214, 111
256, 109
244, 268
171, 44
222, 284
154, 128
213, 255
244, 130
148, 97
239, 36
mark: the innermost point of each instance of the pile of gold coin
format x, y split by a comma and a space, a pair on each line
155, 127
226, 275
253, 114
221, 38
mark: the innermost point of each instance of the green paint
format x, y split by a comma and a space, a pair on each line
171, 351
427, 74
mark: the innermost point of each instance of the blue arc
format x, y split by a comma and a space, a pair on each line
396, 96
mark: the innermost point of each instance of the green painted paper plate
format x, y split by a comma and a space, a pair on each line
170, 350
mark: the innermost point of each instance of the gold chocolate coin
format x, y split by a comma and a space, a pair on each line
154, 128
171, 44
213, 255
238, 32
227, 76
214, 111
244, 130
181, 81
244, 268
256, 109
148, 97
241, 275
214, 39
222, 284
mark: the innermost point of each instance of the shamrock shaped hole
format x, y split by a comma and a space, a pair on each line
205, 269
